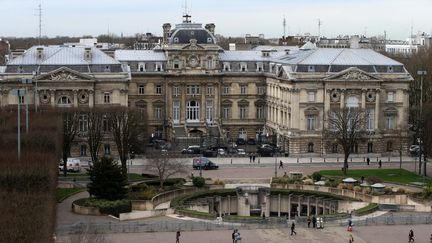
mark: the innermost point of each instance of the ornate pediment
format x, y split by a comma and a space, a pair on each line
64, 74
352, 74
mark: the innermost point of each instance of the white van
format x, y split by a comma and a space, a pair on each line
73, 165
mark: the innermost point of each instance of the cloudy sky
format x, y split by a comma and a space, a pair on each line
232, 17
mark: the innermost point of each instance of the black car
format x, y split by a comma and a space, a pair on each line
204, 164
251, 141
240, 141
265, 152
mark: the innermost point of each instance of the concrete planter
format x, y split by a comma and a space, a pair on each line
85, 210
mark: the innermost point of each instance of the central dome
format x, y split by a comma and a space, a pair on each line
185, 32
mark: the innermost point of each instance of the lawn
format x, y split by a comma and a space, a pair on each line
388, 175
63, 193
131, 176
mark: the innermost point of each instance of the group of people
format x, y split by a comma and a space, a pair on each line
252, 158
312, 220
236, 238
379, 162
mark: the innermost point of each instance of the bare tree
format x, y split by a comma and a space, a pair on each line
346, 128
125, 131
165, 166
95, 132
70, 129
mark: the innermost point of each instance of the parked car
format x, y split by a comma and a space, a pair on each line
203, 163
72, 165
193, 149
265, 152
209, 153
251, 141
241, 152
221, 151
414, 149
240, 141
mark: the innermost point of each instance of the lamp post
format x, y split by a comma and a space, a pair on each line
26, 81
19, 93
421, 73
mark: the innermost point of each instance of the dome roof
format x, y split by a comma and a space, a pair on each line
185, 32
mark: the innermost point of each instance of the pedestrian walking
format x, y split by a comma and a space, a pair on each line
411, 236
253, 158
280, 164
314, 221
379, 164
351, 239
233, 235
293, 229
237, 237
349, 225
367, 160
178, 236
309, 221
250, 158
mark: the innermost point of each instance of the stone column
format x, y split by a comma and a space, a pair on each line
342, 98
203, 108
279, 205
229, 205
75, 98
326, 105
323, 206
183, 103
308, 206
91, 98
377, 109
363, 99
299, 206
36, 97
316, 206
295, 109
289, 207
52, 97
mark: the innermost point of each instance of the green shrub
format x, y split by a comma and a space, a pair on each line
427, 191
168, 182
198, 181
370, 208
316, 176
332, 182
106, 206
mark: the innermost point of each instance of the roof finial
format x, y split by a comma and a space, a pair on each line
186, 16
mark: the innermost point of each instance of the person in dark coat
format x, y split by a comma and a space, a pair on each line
293, 229
411, 236
314, 222
178, 236
250, 158
253, 158
379, 164
367, 160
280, 164
233, 235
309, 221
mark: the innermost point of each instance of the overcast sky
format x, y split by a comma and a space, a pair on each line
232, 17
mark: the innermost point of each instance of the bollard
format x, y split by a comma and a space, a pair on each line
259, 160
377, 159
388, 159
337, 159
311, 160
351, 159
231, 160
364, 159
297, 160
324, 159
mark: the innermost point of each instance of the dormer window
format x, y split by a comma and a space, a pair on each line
176, 64
390, 69
209, 40
141, 67
226, 66
107, 69
20, 69
311, 68
158, 67
176, 40
243, 67
259, 67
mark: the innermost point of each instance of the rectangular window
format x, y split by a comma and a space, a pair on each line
226, 112
243, 112
193, 89
83, 150
141, 67
141, 89
83, 123
370, 115
209, 90
158, 89
105, 124
226, 89
311, 96
176, 111
158, 113
390, 122
261, 90
176, 90
226, 66
209, 110
107, 97
243, 89
209, 64
260, 112
107, 149
22, 99
311, 123
390, 96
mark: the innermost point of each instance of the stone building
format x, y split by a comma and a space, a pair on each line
190, 87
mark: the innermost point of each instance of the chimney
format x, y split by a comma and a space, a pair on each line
265, 53
210, 27
166, 32
39, 52
87, 53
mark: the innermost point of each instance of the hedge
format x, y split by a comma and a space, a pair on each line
370, 208
105, 206
167, 182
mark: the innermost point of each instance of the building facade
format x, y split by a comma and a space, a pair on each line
190, 87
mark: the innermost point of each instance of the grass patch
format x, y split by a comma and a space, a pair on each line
370, 208
63, 193
387, 175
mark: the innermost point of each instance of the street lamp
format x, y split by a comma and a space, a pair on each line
421, 73
19, 93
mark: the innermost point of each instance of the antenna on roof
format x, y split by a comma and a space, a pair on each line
319, 28
39, 14
284, 26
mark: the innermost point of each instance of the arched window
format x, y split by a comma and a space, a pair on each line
310, 148
193, 111
209, 63
334, 148
63, 100
389, 146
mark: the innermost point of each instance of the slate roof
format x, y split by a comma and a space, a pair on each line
62, 55
139, 55
247, 56
184, 32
